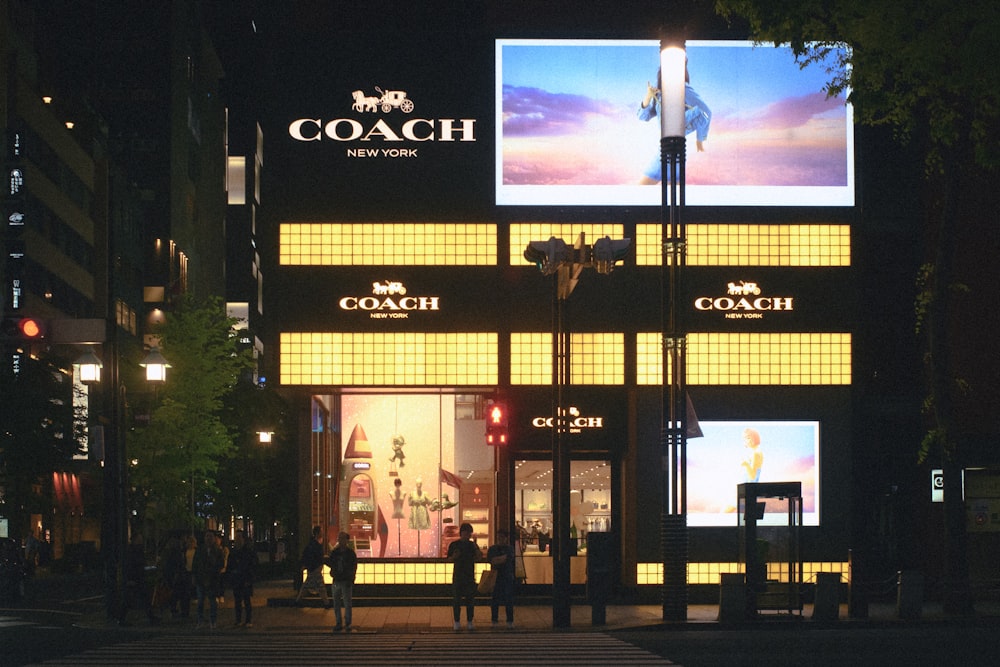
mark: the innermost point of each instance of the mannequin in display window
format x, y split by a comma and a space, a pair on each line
420, 518
397, 497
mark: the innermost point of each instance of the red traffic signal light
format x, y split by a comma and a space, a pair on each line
24, 328
496, 424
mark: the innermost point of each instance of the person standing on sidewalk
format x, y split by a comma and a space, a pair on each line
136, 592
185, 586
312, 563
208, 564
242, 563
464, 553
343, 566
502, 558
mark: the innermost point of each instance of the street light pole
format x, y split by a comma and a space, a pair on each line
555, 258
673, 425
113, 530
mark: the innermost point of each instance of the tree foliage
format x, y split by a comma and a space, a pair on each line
176, 456
919, 66
255, 483
922, 68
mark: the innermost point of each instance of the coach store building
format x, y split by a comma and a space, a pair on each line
396, 233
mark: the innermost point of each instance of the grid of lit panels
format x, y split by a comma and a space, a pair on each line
651, 574
390, 573
595, 358
753, 359
752, 245
523, 233
375, 359
387, 244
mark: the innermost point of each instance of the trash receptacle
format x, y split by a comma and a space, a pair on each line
826, 602
732, 598
909, 594
600, 574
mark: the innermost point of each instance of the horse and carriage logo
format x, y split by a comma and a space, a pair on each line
386, 100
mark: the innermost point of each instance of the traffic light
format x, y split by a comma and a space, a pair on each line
24, 328
607, 252
549, 255
496, 424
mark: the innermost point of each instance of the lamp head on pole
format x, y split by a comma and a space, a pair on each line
673, 73
156, 366
90, 368
265, 437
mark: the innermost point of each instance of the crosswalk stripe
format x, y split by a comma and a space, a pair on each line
413, 650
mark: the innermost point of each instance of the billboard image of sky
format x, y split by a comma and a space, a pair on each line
735, 452
569, 130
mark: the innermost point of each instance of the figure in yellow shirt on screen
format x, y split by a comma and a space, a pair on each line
754, 456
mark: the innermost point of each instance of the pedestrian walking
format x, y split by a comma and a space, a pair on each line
185, 582
502, 558
464, 553
208, 564
241, 566
136, 592
343, 567
312, 563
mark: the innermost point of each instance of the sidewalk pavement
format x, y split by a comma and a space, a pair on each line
275, 611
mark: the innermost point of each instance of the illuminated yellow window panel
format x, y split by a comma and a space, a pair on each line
523, 233
752, 245
530, 358
374, 359
595, 358
387, 244
651, 574
753, 359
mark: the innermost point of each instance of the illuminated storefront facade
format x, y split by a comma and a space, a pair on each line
406, 306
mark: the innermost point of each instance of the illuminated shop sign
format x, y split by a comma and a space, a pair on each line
574, 420
744, 300
389, 301
387, 129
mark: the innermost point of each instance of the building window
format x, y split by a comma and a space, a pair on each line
595, 358
376, 359
752, 245
753, 359
390, 244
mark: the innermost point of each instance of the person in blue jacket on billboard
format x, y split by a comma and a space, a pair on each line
697, 119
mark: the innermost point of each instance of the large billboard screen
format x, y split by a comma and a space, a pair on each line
735, 452
572, 129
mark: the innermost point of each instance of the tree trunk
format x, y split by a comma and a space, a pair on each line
957, 597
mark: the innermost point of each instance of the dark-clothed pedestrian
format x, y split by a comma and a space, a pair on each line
241, 567
136, 592
464, 553
312, 563
208, 564
173, 572
185, 584
343, 567
502, 559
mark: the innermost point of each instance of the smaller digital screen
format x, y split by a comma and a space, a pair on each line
736, 452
